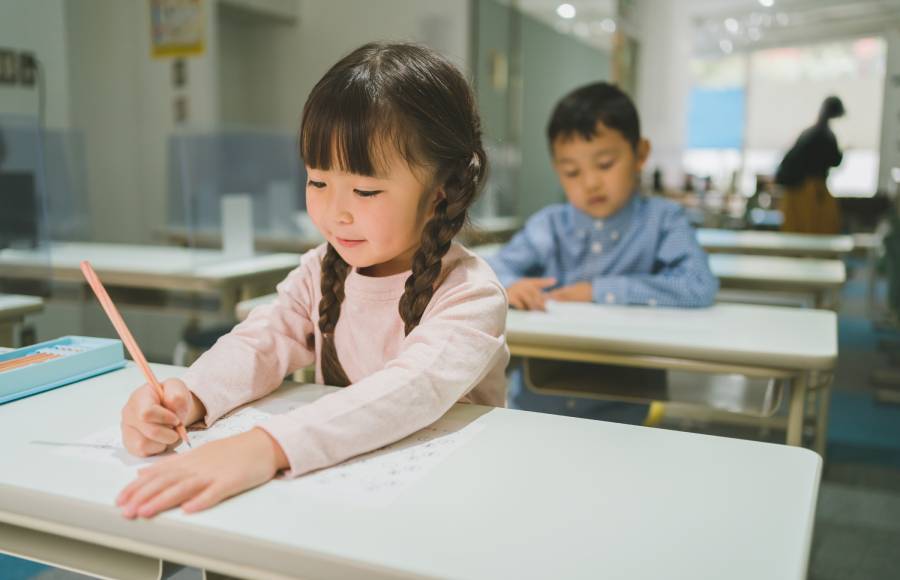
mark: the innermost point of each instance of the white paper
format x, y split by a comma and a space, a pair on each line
374, 479
378, 478
106, 446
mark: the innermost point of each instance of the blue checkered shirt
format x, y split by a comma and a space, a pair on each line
646, 253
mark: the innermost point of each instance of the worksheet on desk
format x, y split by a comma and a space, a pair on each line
373, 479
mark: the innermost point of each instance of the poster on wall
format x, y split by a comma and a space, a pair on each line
177, 28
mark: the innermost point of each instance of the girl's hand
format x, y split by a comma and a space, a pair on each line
203, 477
578, 292
528, 293
148, 423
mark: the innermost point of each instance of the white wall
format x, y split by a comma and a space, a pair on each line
276, 65
38, 27
122, 99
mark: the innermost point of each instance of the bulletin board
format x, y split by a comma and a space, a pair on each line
178, 28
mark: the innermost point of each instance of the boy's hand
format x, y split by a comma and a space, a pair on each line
528, 293
578, 292
148, 423
201, 478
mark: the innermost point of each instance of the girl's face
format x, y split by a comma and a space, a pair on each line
374, 222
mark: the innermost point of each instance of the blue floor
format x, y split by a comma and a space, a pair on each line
16, 569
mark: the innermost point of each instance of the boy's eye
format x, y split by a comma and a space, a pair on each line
316, 184
364, 193
607, 165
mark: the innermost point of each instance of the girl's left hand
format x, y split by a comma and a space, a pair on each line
578, 292
201, 478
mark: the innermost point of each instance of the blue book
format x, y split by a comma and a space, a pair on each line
65, 361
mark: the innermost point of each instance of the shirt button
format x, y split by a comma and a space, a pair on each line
610, 298
596, 247
614, 235
598, 224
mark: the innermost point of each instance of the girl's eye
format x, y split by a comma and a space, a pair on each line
364, 193
316, 184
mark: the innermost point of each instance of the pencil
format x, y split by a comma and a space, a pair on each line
119, 324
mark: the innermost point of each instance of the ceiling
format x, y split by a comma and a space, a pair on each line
722, 26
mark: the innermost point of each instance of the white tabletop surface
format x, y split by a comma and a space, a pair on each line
737, 334
15, 305
775, 242
496, 223
530, 496
155, 260
245, 306
776, 270
736, 268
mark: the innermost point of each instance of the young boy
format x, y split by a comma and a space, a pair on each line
609, 244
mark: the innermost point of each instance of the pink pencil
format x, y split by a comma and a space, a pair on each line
119, 324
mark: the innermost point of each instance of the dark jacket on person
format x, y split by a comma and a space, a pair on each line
813, 155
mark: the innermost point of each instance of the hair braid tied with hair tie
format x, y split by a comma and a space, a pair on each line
449, 217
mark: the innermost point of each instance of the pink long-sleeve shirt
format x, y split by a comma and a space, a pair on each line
399, 384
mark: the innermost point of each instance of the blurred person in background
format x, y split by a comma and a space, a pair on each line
807, 204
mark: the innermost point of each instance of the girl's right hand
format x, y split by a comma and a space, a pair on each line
148, 423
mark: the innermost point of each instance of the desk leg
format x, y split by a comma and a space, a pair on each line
797, 410
824, 396
8, 334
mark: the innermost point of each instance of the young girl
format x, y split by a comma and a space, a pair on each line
390, 307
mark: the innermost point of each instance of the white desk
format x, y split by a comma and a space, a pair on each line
793, 344
13, 310
822, 279
243, 308
264, 241
774, 243
163, 268
530, 496
819, 278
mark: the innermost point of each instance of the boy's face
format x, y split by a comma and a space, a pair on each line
598, 175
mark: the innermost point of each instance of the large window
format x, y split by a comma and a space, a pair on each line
748, 109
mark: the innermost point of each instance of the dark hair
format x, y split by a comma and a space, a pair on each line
409, 98
832, 107
579, 112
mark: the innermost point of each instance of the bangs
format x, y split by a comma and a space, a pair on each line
349, 130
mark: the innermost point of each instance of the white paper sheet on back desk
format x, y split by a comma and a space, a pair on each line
373, 480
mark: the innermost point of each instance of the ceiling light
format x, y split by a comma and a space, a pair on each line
609, 25
565, 11
732, 25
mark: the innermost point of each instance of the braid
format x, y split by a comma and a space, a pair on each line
449, 216
334, 272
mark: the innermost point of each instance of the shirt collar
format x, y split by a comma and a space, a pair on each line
618, 221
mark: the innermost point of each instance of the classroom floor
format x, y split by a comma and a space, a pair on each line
857, 529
